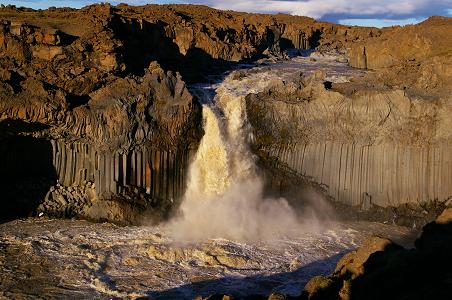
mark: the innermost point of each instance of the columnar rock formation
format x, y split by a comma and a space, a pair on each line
114, 122
100, 87
366, 142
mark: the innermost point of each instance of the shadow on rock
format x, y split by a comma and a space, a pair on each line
26, 169
380, 269
150, 42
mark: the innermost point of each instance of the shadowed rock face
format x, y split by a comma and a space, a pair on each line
132, 137
24, 182
381, 269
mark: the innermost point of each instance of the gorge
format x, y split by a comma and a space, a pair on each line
227, 153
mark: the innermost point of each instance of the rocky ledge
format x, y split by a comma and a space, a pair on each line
381, 269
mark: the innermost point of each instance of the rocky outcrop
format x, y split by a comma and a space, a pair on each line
399, 44
416, 58
130, 137
124, 135
381, 269
366, 145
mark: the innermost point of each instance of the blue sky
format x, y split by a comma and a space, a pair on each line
350, 12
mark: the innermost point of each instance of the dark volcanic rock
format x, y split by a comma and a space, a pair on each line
380, 269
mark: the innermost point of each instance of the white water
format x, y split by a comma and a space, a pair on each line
224, 197
77, 259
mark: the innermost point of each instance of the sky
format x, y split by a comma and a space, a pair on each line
378, 13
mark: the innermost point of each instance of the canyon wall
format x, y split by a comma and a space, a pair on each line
372, 147
382, 174
103, 88
381, 139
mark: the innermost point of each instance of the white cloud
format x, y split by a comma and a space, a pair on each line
380, 22
334, 10
320, 8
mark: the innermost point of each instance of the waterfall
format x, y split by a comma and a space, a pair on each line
223, 157
224, 197
209, 173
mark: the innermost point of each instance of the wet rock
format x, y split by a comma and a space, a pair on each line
353, 262
316, 287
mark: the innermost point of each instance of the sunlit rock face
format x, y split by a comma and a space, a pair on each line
366, 144
381, 145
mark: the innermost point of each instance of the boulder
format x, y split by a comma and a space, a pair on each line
46, 52
353, 262
318, 287
445, 217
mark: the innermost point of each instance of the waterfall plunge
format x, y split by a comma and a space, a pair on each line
224, 197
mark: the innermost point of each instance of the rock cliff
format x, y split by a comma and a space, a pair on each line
101, 90
382, 145
380, 140
99, 94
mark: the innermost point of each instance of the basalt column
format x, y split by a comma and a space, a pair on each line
385, 174
371, 147
158, 173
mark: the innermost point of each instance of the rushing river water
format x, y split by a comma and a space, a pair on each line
229, 237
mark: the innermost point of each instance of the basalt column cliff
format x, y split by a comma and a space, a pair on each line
381, 140
96, 120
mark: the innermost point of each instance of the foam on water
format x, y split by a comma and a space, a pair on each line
87, 260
